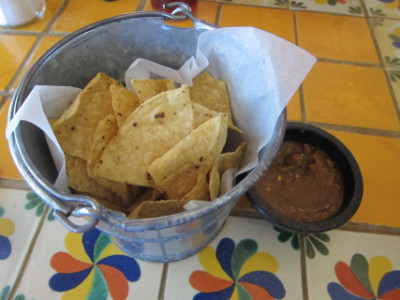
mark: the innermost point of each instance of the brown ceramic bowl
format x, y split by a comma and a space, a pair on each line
345, 162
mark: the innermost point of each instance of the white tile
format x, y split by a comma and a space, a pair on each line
238, 230
54, 239
17, 229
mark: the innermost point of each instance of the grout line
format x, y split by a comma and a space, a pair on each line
219, 14
369, 228
359, 130
303, 265
141, 5
14, 184
161, 294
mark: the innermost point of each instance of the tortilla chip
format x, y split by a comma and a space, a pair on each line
101, 82
231, 160
75, 129
79, 180
200, 191
105, 131
211, 93
124, 102
177, 171
214, 182
150, 131
201, 114
148, 88
154, 209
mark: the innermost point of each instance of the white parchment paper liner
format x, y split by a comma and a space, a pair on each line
262, 72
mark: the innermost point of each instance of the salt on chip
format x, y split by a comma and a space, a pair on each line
176, 172
148, 88
150, 131
123, 101
211, 93
75, 128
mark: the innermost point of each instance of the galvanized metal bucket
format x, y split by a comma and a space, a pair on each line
110, 46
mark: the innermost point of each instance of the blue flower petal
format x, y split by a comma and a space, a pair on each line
390, 281
267, 281
337, 292
62, 282
220, 295
127, 265
5, 247
89, 239
224, 254
396, 44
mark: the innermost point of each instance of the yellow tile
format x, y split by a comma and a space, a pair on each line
349, 95
39, 24
7, 166
13, 50
294, 107
79, 13
206, 11
336, 37
379, 160
277, 21
44, 45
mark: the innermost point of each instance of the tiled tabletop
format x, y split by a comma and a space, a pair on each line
353, 91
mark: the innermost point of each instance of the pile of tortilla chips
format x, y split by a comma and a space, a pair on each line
148, 153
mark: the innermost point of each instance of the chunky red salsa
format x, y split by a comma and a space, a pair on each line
302, 183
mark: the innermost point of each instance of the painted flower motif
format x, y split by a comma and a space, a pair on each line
92, 268
363, 280
236, 272
34, 202
7, 228
395, 37
330, 2
313, 242
391, 3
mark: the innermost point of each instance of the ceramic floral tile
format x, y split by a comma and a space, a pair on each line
358, 266
13, 50
266, 3
85, 266
387, 34
383, 8
78, 14
20, 214
349, 95
337, 37
245, 261
276, 21
8, 169
346, 7
43, 46
380, 203
394, 75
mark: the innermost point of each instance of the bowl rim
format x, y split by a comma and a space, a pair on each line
337, 220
